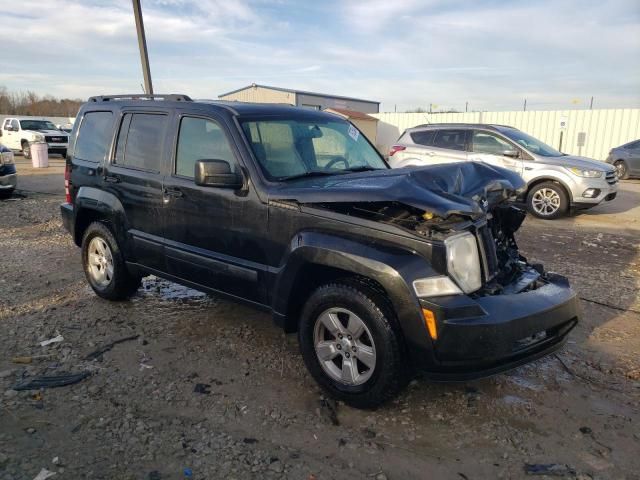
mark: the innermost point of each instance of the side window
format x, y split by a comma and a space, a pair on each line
633, 146
15, 125
423, 138
485, 142
140, 141
7, 122
94, 136
201, 139
450, 139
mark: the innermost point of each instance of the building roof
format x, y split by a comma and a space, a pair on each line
302, 92
350, 114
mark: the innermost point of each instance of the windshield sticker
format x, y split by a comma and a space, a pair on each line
354, 133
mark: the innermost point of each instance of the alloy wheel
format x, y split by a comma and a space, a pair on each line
344, 346
100, 262
546, 201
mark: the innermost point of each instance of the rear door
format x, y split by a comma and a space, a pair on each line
10, 139
134, 176
489, 147
633, 157
449, 145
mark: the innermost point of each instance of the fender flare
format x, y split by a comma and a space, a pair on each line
393, 268
107, 206
548, 178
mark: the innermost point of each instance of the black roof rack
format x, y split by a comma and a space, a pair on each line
173, 97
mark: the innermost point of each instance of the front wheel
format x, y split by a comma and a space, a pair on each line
622, 171
104, 264
26, 150
350, 344
547, 200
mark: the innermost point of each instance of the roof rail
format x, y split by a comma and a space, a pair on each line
173, 97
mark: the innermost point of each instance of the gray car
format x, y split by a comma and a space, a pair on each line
556, 182
626, 159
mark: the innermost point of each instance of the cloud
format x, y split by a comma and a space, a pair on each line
407, 52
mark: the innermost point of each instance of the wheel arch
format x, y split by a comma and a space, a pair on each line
543, 179
91, 205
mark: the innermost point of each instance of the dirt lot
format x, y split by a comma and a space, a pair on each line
138, 417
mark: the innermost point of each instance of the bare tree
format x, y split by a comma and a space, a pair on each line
30, 103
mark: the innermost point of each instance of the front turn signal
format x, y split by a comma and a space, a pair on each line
430, 321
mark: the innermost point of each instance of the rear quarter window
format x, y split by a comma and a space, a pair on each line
94, 136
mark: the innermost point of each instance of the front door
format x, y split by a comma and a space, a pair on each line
491, 148
134, 176
215, 237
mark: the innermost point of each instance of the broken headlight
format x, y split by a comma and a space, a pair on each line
463, 261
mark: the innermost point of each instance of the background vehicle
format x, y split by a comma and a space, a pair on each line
555, 181
19, 133
293, 211
626, 159
8, 175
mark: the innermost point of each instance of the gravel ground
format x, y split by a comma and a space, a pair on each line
142, 414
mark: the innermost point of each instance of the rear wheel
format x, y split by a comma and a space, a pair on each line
547, 200
350, 344
104, 264
26, 150
622, 171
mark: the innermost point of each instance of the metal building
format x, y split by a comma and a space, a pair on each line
299, 98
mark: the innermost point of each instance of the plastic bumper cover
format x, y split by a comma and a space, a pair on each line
487, 335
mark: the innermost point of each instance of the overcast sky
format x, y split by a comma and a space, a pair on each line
408, 53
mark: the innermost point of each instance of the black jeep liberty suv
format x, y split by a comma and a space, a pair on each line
380, 272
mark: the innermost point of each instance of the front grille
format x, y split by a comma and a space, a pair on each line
611, 178
55, 139
488, 256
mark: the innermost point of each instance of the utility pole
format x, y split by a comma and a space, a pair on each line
142, 45
466, 107
591, 104
525, 105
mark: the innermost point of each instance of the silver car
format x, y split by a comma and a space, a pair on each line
556, 182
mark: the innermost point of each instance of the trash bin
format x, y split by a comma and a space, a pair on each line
39, 155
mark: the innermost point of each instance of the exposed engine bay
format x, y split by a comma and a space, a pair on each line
505, 270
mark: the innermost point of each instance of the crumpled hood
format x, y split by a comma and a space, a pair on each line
469, 188
575, 161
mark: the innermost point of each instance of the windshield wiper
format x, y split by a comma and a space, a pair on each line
312, 173
361, 168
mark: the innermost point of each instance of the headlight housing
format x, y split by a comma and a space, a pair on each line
6, 158
463, 261
38, 137
435, 287
581, 172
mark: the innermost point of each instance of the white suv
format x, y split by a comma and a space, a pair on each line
19, 133
556, 181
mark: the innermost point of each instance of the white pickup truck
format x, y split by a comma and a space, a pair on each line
19, 133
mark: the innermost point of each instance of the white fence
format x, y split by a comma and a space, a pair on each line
602, 129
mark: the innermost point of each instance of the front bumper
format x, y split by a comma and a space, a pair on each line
8, 182
482, 336
57, 147
606, 191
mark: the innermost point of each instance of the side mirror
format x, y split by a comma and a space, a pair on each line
511, 153
216, 173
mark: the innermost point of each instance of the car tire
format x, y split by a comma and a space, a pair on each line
547, 200
104, 264
64, 154
622, 170
6, 193
374, 361
26, 150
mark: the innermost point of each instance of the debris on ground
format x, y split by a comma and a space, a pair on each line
44, 474
51, 381
551, 469
203, 388
329, 410
29, 359
105, 348
57, 339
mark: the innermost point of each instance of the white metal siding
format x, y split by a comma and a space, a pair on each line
604, 129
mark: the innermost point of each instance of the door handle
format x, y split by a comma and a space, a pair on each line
112, 178
173, 192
